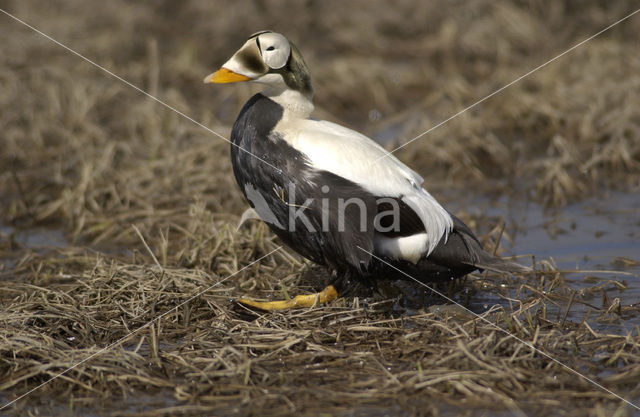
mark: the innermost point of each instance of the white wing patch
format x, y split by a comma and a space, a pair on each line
351, 155
409, 248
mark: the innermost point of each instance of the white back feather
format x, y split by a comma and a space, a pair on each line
353, 156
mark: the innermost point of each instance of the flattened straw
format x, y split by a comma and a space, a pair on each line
148, 248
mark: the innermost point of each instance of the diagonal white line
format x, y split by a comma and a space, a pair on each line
133, 86
506, 86
505, 331
136, 330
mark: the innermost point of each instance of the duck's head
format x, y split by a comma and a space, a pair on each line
268, 58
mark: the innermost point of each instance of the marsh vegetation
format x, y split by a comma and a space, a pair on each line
117, 211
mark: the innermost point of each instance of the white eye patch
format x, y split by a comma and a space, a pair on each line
275, 49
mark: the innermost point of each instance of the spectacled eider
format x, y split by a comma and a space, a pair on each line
331, 194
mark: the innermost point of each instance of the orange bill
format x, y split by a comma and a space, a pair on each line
224, 76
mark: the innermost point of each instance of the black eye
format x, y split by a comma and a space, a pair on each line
271, 48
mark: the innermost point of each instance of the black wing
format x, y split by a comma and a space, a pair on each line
322, 216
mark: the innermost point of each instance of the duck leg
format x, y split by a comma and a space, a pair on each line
299, 301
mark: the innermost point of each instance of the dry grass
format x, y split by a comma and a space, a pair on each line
211, 355
85, 153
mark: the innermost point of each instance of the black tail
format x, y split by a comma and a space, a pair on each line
494, 263
481, 259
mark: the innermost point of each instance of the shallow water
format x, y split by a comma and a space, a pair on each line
36, 237
586, 235
599, 238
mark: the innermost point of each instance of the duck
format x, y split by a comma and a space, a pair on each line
331, 194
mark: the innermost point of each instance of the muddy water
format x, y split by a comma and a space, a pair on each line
37, 237
599, 238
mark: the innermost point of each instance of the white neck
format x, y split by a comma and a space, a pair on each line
295, 104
